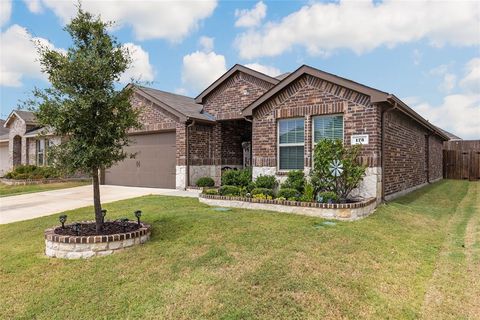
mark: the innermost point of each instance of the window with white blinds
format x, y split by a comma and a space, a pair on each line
291, 144
327, 127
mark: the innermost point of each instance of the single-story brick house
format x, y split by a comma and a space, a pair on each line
249, 119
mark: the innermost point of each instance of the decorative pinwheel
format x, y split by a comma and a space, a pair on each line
336, 168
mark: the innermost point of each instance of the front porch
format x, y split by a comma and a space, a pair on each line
211, 149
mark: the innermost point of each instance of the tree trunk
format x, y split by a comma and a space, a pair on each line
96, 201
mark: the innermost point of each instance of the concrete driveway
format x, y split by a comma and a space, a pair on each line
39, 204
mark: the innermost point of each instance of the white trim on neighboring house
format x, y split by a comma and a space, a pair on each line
50, 134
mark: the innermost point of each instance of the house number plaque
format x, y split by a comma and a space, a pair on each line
359, 139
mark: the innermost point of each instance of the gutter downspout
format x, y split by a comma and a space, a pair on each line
384, 111
187, 156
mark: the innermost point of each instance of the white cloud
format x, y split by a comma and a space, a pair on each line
181, 91
206, 43
200, 69
362, 26
471, 81
141, 69
172, 20
449, 80
458, 113
19, 57
5, 11
34, 6
268, 70
251, 18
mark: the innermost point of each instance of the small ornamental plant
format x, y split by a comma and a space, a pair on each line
336, 168
205, 182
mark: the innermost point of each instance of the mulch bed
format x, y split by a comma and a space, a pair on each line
89, 229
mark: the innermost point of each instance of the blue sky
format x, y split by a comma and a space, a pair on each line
425, 52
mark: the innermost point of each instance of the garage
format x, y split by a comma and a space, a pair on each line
153, 165
4, 167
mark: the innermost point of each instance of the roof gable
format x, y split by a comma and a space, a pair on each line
27, 116
374, 94
181, 106
228, 74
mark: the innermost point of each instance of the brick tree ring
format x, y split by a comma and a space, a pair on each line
82, 247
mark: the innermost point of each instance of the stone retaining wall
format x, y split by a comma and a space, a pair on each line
338, 211
82, 247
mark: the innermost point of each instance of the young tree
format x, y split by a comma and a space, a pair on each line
82, 104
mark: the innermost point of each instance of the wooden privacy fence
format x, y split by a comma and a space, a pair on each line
460, 164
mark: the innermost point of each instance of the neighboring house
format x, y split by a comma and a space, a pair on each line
249, 119
23, 141
4, 166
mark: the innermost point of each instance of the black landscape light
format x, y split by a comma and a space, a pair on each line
76, 228
104, 213
63, 219
138, 214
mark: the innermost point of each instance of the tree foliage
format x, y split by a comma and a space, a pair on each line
352, 172
82, 104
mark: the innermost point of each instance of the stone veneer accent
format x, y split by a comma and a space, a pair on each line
370, 187
83, 247
180, 177
338, 211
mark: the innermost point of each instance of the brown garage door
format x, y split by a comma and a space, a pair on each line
153, 166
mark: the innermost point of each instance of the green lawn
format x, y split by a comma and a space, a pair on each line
417, 257
6, 190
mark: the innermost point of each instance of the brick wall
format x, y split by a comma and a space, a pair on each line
152, 117
406, 154
235, 94
436, 158
201, 144
307, 97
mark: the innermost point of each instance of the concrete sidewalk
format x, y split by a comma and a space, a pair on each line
39, 204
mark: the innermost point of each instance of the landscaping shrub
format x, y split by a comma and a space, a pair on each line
32, 172
205, 182
332, 156
327, 197
308, 193
250, 187
240, 178
295, 180
288, 193
266, 181
212, 192
229, 191
264, 191
262, 196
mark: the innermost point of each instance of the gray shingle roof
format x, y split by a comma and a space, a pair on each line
282, 76
28, 116
182, 104
450, 135
3, 130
